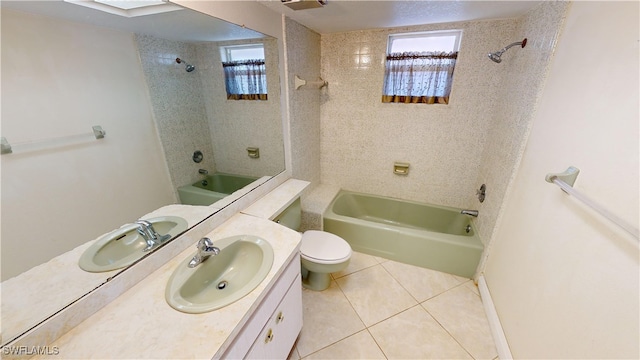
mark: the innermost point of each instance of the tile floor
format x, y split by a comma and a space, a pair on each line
382, 309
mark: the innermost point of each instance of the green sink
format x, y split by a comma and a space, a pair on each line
125, 245
241, 265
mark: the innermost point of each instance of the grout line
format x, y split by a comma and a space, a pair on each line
418, 303
447, 331
400, 282
376, 341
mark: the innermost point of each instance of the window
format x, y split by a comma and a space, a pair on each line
419, 67
245, 75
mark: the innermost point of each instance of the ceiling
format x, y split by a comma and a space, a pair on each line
335, 16
183, 25
350, 15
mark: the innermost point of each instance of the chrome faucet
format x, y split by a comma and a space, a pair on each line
205, 249
473, 213
149, 234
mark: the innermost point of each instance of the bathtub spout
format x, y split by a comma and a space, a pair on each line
473, 213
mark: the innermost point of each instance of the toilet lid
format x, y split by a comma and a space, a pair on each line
324, 246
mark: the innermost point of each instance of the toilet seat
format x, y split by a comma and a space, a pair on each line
324, 248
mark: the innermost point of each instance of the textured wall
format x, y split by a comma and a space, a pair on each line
525, 70
178, 106
362, 137
238, 124
303, 59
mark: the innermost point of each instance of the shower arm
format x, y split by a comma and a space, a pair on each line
522, 43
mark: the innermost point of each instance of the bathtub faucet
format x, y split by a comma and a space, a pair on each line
473, 213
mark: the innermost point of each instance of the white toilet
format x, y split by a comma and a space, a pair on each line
321, 253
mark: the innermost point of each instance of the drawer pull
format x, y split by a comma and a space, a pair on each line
280, 317
269, 336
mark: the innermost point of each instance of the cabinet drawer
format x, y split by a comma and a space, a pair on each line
279, 334
252, 329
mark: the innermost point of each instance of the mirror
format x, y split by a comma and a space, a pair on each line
66, 68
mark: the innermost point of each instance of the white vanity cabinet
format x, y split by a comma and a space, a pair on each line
272, 330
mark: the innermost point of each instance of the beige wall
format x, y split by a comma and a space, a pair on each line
564, 280
362, 137
58, 79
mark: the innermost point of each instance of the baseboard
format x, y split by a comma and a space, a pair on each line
494, 322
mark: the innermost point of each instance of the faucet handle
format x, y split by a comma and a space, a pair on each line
204, 243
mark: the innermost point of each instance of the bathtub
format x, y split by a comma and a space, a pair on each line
213, 188
430, 236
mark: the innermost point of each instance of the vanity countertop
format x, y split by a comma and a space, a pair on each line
140, 324
25, 306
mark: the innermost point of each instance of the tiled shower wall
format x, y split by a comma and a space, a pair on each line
525, 70
303, 59
178, 106
238, 124
362, 137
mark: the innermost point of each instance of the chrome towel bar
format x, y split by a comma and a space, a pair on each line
7, 148
565, 181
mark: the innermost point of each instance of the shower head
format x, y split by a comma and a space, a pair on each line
497, 56
187, 67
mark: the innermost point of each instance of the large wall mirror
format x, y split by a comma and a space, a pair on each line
67, 68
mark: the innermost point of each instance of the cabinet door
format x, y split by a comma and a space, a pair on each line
279, 334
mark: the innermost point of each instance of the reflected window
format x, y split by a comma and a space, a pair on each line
245, 73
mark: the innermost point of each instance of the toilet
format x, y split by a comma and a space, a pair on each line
321, 253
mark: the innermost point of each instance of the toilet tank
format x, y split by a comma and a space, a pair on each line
291, 217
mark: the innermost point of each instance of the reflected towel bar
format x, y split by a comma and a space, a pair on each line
566, 180
6, 147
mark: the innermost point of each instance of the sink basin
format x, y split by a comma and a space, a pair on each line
124, 246
243, 262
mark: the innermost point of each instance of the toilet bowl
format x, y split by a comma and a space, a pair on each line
322, 253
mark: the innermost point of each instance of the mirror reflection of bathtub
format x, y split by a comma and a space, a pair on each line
213, 188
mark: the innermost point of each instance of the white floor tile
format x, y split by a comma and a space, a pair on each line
374, 294
422, 283
358, 346
461, 313
414, 334
358, 262
327, 318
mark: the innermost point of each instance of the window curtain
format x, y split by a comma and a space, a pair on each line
424, 77
245, 79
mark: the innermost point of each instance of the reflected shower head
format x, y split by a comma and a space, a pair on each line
497, 56
187, 67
